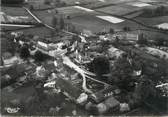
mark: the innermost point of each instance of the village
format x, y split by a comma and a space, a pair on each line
53, 65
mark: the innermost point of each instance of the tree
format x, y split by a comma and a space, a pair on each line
159, 41
147, 13
111, 31
100, 65
47, 2
126, 28
8, 46
24, 52
161, 10
104, 46
144, 91
12, 1
54, 21
75, 38
62, 23
72, 29
31, 8
2, 62
122, 72
141, 39
52, 32
39, 56
68, 17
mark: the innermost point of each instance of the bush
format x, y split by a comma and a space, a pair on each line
24, 52
40, 57
159, 11
54, 21
141, 39
159, 42
111, 31
62, 23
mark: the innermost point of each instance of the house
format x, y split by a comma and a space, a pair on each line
43, 47
87, 33
156, 52
110, 103
11, 61
51, 49
115, 52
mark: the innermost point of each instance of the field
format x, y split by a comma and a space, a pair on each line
75, 10
17, 11
106, 3
72, 2
14, 11
118, 9
72, 11
153, 21
111, 19
133, 15
96, 24
39, 31
148, 1
45, 16
139, 4
163, 26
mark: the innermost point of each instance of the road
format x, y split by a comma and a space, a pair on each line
17, 25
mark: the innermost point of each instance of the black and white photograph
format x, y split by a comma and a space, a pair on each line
83, 58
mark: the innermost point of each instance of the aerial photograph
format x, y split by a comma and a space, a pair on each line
84, 58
